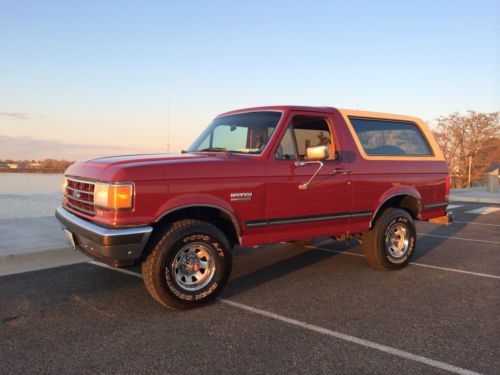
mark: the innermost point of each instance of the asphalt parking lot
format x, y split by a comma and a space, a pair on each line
289, 308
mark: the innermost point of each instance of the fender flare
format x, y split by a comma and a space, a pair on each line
399, 191
205, 201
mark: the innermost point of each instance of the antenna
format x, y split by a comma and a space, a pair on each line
168, 124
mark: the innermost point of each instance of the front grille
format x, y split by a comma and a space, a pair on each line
80, 195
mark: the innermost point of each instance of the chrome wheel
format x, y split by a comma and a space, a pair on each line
397, 240
194, 266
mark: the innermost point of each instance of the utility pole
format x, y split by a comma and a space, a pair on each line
470, 167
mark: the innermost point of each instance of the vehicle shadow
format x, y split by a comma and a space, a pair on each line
427, 241
270, 272
274, 271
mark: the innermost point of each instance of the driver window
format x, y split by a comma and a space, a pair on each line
303, 132
286, 148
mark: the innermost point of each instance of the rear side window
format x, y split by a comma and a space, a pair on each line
385, 137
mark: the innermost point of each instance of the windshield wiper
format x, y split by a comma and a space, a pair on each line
215, 149
212, 149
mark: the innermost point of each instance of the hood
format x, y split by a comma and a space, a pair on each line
141, 158
131, 167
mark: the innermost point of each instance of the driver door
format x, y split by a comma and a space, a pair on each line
323, 207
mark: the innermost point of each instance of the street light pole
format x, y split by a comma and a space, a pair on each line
470, 167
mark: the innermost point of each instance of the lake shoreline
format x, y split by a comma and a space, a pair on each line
41, 171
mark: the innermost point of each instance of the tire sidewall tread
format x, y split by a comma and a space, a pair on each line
160, 283
374, 246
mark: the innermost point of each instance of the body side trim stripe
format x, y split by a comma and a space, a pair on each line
306, 219
433, 205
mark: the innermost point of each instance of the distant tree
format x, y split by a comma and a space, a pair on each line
55, 165
43, 166
475, 135
49, 164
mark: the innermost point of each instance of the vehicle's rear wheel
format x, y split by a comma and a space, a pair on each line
391, 242
189, 265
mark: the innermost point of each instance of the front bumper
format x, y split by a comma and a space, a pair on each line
116, 247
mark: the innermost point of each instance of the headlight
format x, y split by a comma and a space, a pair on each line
113, 196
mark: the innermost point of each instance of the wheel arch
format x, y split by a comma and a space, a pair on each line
408, 200
219, 216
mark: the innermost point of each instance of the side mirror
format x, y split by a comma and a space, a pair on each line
317, 153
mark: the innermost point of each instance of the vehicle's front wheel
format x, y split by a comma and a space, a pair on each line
189, 265
391, 242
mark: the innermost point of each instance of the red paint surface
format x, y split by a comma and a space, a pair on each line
165, 182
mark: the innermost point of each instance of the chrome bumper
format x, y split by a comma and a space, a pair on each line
116, 247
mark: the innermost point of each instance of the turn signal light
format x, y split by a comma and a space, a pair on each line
64, 184
113, 196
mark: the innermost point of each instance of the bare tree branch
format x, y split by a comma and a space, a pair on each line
475, 135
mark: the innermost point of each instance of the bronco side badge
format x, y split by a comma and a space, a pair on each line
241, 197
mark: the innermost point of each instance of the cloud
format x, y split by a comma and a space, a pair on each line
14, 115
27, 148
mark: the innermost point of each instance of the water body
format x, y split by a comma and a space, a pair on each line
29, 194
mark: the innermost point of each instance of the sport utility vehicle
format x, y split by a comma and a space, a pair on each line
258, 176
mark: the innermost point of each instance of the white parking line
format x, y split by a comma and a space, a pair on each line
458, 238
412, 263
456, 270
452, 206
127, 272
483, 210
470, 222
352, 339
328, 332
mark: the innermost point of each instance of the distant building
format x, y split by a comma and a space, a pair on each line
13, 166
493, 168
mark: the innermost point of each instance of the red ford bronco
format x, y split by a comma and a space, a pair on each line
258, 176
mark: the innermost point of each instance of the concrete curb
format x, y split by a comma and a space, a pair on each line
39, 258
475, 199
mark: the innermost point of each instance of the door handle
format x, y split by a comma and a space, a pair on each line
341, 170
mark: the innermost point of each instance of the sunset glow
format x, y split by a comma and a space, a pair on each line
107, 74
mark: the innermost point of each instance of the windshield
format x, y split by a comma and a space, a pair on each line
243, 132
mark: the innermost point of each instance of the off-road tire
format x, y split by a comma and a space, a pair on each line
374, 241
159, 277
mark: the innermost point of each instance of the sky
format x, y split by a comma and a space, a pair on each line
122, 73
